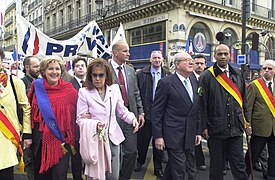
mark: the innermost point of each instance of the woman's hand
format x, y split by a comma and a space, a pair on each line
135, 125
100, 126
86, 116
27, 143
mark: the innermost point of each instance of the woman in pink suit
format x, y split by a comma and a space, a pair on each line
100, 135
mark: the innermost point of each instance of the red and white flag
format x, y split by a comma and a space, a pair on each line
189, 46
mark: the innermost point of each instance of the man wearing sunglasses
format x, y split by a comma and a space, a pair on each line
223, 114
261, 112
148, 78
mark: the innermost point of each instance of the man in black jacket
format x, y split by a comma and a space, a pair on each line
223, 114
147, 83
31, 70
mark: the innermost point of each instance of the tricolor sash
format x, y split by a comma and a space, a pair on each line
8, 130
46, 109
231, 88
266, 94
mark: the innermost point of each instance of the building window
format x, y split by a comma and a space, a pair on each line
148, 34
48, 23
70, 15
154, 33
78, 6
89, 9
54, 20
61, 17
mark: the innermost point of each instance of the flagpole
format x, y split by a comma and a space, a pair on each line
16, 46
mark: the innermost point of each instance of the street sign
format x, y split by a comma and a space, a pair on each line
241, 59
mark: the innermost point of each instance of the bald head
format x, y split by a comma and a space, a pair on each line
221, 54
121, 52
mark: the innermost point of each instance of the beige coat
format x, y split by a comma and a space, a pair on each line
8, 157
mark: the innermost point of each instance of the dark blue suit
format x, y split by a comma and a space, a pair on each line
175, 120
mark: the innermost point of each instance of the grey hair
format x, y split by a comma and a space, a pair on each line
269, 62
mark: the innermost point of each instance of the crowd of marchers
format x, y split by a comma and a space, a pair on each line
104, 117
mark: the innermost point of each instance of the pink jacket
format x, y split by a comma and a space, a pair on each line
89, 101
95, 153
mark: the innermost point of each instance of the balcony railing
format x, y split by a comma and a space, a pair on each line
8, 35
84, 20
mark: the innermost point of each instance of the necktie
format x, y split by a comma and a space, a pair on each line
155, 82
188, 88
225, 71
269, 87
81, 83
122, 86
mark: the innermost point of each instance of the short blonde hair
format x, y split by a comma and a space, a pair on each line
51, 59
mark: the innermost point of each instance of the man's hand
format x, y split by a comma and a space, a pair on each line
141, 120
160, 145
27, 143
205, 134
197, 140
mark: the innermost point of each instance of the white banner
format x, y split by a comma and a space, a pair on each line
89, 41
120, 35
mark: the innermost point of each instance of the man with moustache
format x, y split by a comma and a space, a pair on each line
223, 112
175, 124
261, 113
125, 76
148, 78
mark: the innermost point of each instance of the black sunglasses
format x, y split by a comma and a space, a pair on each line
100, 75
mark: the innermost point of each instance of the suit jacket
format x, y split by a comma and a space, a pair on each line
135, 104
173, 113
262, 120
75, 83
89, 101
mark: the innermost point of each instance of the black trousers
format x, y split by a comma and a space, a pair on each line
176, 166
7, 174
76, 162
143, 139
200, 160
57, 172
257, 144
232, 148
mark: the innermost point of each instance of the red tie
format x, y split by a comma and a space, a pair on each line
123, 87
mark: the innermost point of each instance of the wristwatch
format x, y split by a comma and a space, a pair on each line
142, 114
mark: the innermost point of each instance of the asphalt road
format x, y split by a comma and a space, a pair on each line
147, 171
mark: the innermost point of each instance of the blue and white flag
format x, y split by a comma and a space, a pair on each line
120, 35
89, 41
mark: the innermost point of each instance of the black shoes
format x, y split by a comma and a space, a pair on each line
158, 173
202, 167
137, 167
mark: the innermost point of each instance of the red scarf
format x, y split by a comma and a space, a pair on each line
63, 99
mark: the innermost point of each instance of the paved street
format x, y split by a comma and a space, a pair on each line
147, 171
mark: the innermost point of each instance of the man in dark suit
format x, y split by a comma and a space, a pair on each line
260, 98
80, 69
223, 114
196, 157
125, 76
147, 83
174, 113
